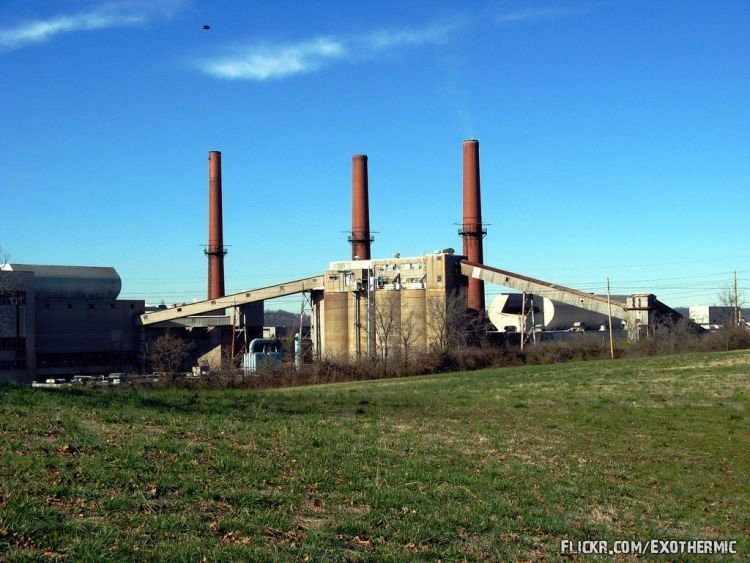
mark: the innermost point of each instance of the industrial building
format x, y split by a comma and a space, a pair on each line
369, 306
64, 320
712, 317
67, 320
358, 307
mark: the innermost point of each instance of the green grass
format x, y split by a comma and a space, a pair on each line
495, 464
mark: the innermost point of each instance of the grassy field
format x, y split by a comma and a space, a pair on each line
496, 464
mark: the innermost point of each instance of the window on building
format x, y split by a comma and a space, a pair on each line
13, 298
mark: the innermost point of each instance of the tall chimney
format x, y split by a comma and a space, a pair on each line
360, 235
472, 229
215, 249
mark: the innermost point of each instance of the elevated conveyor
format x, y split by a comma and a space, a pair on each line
640, 312
554, 292
233, 300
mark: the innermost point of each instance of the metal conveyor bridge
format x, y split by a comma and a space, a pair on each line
554, 292
641, 311
233, 300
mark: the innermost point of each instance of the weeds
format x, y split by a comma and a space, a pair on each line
666, 341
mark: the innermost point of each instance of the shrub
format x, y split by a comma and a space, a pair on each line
666, 340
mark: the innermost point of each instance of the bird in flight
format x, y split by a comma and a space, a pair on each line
206, 26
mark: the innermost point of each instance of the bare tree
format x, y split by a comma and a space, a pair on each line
730, 296
437, 323
168, 353
733, 335
674, 335
228, 373
387, 313
6, 288
409, 335
4, 257
447, 321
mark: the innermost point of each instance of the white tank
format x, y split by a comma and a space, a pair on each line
505, 310
559, 316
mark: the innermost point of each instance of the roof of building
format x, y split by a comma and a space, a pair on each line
72, 282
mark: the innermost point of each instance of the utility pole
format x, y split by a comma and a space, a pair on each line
736, 302
299, 353
523, 318
357, 324
609, 318
235, 313
371, 280
305, 335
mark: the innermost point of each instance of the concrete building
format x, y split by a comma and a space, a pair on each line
17, 330
65, 320
715, 316
370, 306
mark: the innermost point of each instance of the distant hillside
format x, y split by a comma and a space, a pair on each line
280, 317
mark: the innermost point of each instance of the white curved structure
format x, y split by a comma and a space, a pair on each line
505, 311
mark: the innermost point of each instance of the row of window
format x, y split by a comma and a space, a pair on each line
10, 365
13, 298
92, 306
395, 267
120, 360
83, 359
19, 298
9, 343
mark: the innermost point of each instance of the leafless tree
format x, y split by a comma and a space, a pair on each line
674, 335
228, 373
168, 353
437, 323
730, 296
447, 321
733, 334
6, 287
409, 335
387, 313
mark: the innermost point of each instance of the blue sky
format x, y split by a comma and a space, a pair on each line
614, 137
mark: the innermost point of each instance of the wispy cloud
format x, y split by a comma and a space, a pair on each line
269, 61
389, 38
265, 61
107, 16
542, 13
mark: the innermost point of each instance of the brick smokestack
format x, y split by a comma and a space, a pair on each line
215, 249
472, 229
360, 235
